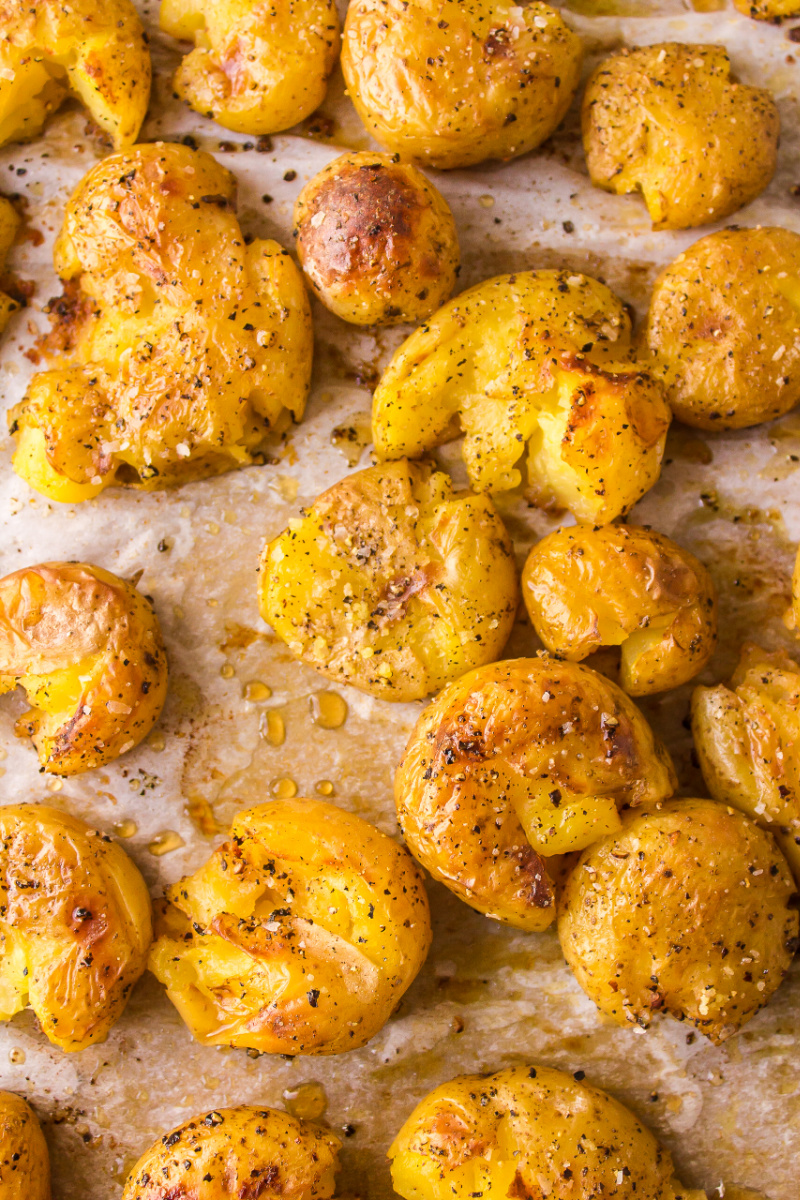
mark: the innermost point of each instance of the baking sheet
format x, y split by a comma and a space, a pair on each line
488, 995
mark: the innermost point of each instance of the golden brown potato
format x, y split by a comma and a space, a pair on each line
621, 585
538, 362
793, 616
393, 582
256, 68
686, 912
9, 221
87, 649
24, 1162
298, 936
515, 763
238, 1154
668, 121
723, 329
376, 240
529, 1132
769, 10
95, 50
454, 82
186, 349
75, 924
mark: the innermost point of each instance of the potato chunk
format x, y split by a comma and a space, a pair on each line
186, 349
239, 1153
685, 911
618, 585
9, 221
87, 649
298, 936
453, 83
516, 763
75, 924
769, 10
96, 51
540, 361
392, 582
723, 329
376, 240
24, 1162
256, 68
668, 121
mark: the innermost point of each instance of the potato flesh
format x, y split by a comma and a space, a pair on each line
24, 1162
768, 10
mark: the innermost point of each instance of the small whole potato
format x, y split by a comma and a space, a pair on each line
256, 68
376, 240
75, 924
454, 82
769, 10
685, 911
24, 1161
515, 764
242, 1153
542, 362
528, 1132
392, 582
86, 648
723, 329
669, 122
621, 585
298, 936
9, 223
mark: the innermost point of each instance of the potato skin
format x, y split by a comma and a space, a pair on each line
302, 893
96, 50
75, 924
621, 585
723, 328
667, 121
454, 82
515, 764
255, 68
238, 1153
87, 649
768, 10
9, 222
685, 912
543, 360
185, 349
392, 582
24, 1161
377, 240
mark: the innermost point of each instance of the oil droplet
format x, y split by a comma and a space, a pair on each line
125, 828
324, 787
284, 789
287, 487
273, 728
16, 1056
179, 613
227, 671
353, 436
307, 1101
55, 785
212, 527
164, 843
201, 814
708, 5
157, 741
255, 691
328, 710
3, 753
486, 201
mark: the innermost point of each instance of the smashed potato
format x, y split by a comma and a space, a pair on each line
516, 763
86, 647
298, 936
392, 582
256, 68
528, 1132
540, 361
9, 222
724, 328
668, 121
75, 924
685, 911
620, 585
98, 52
455, 82
769, 10
186, 349
376, 240
24, 1162
238, 1154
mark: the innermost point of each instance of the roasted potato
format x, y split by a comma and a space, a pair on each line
9, 221
793, 615
24, 1162
529, 1132
669, 121
86, 647
769, 10
238, 1154
686, 911
516, 763
392, 582
376, 240
75, 924
256, 68
94, 49
723, 329
454, 82
186, 348
298, 936
621, 585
